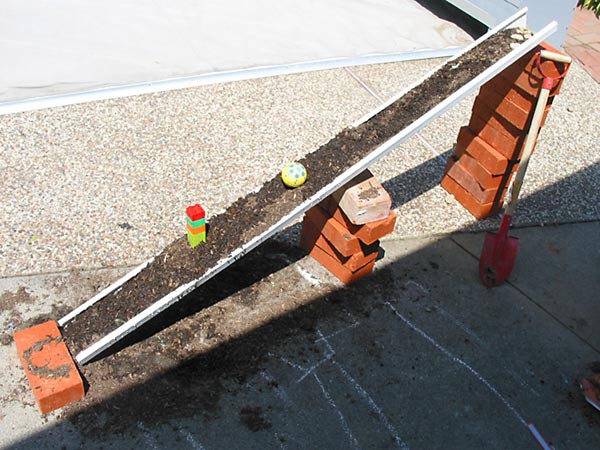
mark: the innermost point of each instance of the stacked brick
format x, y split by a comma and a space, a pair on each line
488, 149
348, 250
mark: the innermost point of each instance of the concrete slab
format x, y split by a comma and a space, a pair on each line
419, 355
555, 273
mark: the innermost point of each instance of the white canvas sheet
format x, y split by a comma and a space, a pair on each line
65, 46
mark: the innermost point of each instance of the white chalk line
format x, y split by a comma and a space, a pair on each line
335, 333
311, 369
374, 407
314, 281
538, 437
364, 394
150, 441
193, 442
287, 361
459, 361
343, 422
279, 441
475, 337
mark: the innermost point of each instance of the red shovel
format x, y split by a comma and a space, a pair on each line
500, 250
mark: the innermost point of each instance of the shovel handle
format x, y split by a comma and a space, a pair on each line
527, 149
547, 84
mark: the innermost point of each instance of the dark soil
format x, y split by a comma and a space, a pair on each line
179, 263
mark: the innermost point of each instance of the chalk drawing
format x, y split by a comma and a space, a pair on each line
343, 422
459, 361
307, 275
326, 342
193, 442
305, 371
374, 407
335, 333
279, 391
462, 326
538, 437
311, 369
150, 441
279, 441
473, 335
287, 361
248, 385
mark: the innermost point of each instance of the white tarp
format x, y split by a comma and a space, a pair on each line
62, 46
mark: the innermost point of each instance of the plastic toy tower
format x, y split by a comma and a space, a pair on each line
196, 224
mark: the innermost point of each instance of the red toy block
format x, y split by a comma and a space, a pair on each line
51, 371
195, 212
479, 210
367, 233
197, 230
342, 273
311, 237
338, 235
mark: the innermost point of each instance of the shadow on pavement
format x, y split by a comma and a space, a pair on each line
425, 341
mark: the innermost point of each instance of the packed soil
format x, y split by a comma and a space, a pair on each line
256, 212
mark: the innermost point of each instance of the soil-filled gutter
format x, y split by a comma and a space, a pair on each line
251, 215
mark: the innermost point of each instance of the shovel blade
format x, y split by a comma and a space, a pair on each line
497, 258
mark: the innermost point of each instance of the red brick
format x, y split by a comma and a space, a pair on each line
342, 273
468, 142
51, 371
492, 132
311, 237
480, 211
338, 235
525, 73
508, 110
367, 233
470, 183
480, 173
531, 83
501, 87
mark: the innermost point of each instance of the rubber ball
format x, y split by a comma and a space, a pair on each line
293, 174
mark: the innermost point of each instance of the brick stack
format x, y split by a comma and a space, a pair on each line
348, 250
488, 149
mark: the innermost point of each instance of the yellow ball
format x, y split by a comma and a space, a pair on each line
293, 174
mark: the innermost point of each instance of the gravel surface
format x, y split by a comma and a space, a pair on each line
106, 184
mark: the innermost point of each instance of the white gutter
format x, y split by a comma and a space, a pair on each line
215, 78
150, 312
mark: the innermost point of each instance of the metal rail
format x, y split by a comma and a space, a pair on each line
111, 338
206, 79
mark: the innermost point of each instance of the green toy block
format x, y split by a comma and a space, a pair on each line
196, 223
195, 239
